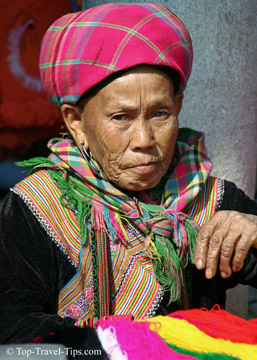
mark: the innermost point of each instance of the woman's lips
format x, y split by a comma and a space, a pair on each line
145, 168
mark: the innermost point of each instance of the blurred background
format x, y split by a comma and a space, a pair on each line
27, 118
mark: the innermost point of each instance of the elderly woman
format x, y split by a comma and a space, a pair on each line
109, 223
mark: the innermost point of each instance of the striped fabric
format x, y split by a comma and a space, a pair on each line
205, 203
137, 285
163, 222
50, 213
79, 50
131, 267
135, 289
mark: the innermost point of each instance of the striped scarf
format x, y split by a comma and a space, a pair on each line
103, 208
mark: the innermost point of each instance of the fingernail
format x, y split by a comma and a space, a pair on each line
208, 273
199, 264
223, 274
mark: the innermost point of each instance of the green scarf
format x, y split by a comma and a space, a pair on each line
169, 233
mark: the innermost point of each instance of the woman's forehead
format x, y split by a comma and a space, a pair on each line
146, 86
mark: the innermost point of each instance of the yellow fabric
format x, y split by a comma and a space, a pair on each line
187, 336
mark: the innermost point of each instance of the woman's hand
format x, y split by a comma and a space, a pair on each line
225, 241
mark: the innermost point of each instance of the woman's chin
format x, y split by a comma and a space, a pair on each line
139, 183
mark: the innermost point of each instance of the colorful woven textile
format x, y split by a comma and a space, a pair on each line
86, 203
80, 50
124, 339
166, 337
132, 270
190, 338
169, 234
220, 324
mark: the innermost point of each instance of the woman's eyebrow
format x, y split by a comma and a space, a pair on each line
127, 104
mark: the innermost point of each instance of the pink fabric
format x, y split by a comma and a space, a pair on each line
137, 341
80, 50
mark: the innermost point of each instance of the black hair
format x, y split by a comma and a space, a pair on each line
173, 74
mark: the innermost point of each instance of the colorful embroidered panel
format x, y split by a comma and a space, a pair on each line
131, 268
204, 206
43, 198
135, 289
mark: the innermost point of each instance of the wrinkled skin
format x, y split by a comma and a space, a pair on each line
130, 127
226, 237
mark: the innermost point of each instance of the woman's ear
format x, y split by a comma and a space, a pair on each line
73, 120
179, 102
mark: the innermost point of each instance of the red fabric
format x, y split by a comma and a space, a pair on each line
221, 324
26, 114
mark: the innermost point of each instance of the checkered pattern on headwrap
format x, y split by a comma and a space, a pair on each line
79, 50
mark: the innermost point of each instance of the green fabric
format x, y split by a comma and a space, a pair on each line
169, 234
204, 356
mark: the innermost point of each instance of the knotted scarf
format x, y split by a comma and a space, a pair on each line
168, 232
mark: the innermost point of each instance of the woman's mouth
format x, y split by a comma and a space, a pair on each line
145, 168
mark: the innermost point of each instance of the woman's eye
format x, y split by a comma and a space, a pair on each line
120, 117
160, 113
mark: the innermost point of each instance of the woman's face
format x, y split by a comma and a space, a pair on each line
131, 126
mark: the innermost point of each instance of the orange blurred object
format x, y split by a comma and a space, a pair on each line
26, 114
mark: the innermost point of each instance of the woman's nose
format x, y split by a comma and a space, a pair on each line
142, 137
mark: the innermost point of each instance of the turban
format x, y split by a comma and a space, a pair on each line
82, 49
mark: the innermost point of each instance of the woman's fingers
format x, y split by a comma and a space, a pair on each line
227, 250
202, 244
214, 251
214, 233
225, 240
242, 248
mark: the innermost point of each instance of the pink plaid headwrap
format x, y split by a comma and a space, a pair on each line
81, 49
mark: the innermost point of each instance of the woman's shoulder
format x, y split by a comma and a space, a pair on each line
39, 195
234, 198
35, 184
218, 194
